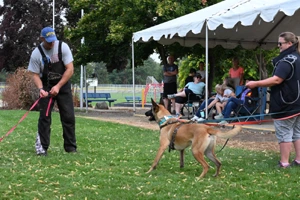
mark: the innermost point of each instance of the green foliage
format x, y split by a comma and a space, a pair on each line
3, 75
113, 160
107, 27
184, 68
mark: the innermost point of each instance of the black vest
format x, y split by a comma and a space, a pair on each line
52, 72
285, 97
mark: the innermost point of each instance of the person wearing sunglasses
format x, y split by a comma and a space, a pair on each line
285, 97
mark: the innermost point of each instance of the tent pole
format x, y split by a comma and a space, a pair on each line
206, 70
133, 80
81, 74
262, 91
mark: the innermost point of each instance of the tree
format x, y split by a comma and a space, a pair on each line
21, 26
108, 25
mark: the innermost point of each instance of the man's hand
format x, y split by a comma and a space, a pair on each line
43, 93
251, 84
54, 91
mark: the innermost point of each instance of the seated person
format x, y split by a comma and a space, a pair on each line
190, 78
228, 93
229, 82
223, 94
192, 88
233, 103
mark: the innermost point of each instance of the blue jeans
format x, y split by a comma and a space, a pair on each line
202, 106
231, 105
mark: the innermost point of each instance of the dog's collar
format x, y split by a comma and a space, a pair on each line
164, 119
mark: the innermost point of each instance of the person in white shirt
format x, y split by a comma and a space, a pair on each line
202, 71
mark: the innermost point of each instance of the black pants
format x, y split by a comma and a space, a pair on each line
64, 101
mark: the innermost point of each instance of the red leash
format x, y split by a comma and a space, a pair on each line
25, 115
254, 122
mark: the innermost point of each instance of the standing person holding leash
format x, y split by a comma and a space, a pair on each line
51, 66
285, 101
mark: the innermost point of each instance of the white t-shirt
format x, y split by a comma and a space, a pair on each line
225, 96
196, 88
203, 73
36, 64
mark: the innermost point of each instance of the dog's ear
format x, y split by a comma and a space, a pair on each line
153, 102
155, 107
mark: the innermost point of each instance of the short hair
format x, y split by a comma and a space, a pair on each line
236, 59
218, 87
198, 75
192, 70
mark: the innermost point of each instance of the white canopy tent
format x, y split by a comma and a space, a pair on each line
249, 23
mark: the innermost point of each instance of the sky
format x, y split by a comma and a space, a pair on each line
155, 57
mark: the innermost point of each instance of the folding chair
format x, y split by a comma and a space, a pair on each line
193, 103
238, 89
252, 106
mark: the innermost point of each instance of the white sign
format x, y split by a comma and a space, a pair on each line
93, 82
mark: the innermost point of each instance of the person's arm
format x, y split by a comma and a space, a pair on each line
241, 76
38, 83
66, 76
274, 80
232, 94
212, 103
229, 73
175, 72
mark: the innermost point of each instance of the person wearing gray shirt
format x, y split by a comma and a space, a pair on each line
51, 67
170, 72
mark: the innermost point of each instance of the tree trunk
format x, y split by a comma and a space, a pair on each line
262, 67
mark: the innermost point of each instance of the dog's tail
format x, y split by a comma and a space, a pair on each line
227, 134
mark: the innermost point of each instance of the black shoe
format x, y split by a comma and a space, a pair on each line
281, 166
295, 164
72, 151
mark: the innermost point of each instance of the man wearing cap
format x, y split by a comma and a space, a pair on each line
51, 66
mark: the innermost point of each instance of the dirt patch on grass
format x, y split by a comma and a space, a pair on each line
250, 139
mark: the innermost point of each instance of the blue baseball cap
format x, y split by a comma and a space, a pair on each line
49, 34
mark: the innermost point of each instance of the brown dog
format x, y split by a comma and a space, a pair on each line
179, 135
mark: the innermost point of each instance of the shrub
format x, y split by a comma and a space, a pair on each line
20, 91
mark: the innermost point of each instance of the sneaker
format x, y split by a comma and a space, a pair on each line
281, 166
223, 122
295, 164
195, 118
200, 119
171, 96
219, 116
178, 116
42, 154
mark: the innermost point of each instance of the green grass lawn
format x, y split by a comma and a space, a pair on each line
112, 162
